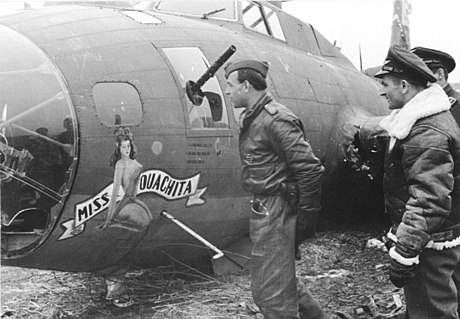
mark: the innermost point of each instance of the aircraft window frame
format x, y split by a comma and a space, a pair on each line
141, 17
34, 139
39, 142
271, 25
325, 47
175, 60
153, 6
275, 26
102, 110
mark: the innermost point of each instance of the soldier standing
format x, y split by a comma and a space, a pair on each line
281, 171
441, 64
422, 187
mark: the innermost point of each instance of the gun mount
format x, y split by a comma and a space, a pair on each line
193, 89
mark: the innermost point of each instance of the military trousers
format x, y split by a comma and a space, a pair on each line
434, 292
275, 288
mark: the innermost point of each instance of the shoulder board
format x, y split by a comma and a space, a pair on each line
452, 100
271, 109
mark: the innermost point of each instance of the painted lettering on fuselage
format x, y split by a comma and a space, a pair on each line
151, 181
93, 208
162, 184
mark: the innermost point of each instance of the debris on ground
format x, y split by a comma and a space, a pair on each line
360, 288
345, 274
376, 243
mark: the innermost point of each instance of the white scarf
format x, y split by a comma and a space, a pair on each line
430, 101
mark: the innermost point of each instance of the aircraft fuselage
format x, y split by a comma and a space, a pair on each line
104, 70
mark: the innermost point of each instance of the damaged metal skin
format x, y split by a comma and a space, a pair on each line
366, 152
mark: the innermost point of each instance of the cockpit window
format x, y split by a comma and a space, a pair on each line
215, 9
262, 19
38, 132
190, 64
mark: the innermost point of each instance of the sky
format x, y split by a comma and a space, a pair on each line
367, 23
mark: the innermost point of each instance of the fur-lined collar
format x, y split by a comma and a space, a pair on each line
428, 102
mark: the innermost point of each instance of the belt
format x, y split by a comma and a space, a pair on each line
442, 240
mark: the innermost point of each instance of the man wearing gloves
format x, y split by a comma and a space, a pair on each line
281, 171
422, 187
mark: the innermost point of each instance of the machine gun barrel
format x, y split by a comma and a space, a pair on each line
213, 68
193, 89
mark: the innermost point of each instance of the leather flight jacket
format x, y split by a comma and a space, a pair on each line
274, 153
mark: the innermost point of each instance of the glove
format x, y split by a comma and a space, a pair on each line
297, 253
403, 261
400, 274
305, 226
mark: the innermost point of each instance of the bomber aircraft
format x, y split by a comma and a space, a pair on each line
76, 79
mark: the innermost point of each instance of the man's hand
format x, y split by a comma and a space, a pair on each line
104, 225
305, 226
400, 274
403, 261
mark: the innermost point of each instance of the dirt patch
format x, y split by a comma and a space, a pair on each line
349, 279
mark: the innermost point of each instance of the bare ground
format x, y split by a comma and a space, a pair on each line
349, 280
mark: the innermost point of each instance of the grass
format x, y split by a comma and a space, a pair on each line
347, 278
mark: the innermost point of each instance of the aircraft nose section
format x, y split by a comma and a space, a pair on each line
38, 143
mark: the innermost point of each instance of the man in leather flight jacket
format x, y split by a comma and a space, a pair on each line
280, 169
422, 187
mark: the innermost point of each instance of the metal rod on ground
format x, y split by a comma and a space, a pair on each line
191, 232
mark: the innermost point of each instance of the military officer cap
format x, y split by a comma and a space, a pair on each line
405, 63
435, 59
258, 66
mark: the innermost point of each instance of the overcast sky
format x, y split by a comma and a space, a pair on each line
433, 23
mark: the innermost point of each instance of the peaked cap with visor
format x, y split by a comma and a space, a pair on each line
434, 58
405, 63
